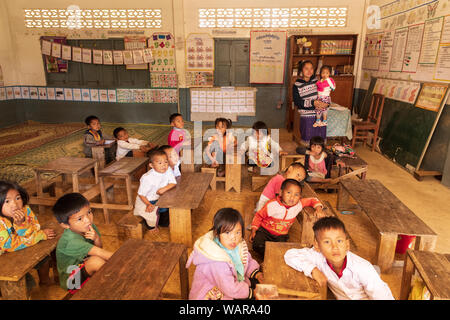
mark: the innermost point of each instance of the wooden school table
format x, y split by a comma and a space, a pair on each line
233, 174
181, 200
352, 164
388, 214
15, 265
138, 270
98, 152
122, 169
288, 280
433, 268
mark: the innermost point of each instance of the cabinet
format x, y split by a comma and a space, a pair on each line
324, 48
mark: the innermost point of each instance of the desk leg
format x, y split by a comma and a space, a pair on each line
184, 276
129, 190
96, 172
233, 177
180, 226
104, 198
14, 290
98, 153
408, 271
75, 183
426, 243
39, 190
386, 251
343, 198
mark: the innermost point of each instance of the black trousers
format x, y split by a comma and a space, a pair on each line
261, 236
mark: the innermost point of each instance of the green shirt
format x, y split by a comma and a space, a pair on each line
71, 250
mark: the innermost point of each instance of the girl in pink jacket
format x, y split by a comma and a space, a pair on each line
224, 267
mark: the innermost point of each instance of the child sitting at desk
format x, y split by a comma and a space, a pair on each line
153, 184
177, 135
79, 253
174, 159
260, 147
273, 221
126, 145
93, 136
19, 227
318, 162
349, 276
224, 267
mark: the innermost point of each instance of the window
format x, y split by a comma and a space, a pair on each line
89, 75
231, 63
272, 17
74, 17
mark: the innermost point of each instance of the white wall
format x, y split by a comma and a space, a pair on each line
7, 59
179, 17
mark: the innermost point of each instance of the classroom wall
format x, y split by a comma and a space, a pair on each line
178, 17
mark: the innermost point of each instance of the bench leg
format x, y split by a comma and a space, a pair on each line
104, 198
426, 243
386, 251
233, 177
75, 183
307, 230
40, 191
180, 226
129, 190
14, 290
184, 276
342, 198
408, 271
213, 181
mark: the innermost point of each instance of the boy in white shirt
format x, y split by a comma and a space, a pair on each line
349, 276
174, 159
126, 145
153, 184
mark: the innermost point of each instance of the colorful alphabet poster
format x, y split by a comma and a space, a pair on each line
431, 96
163, 51
400, 90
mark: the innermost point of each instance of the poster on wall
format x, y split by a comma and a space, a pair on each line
56, 50
33, 93
97, 56
76, 54
86, 55
118, 57
386, 50
127, 57
135, 43
398, 50
112, 96
163, 52
66, 52
46, 47
412, 50
372, 51
267, 56
400, 90
431, 96
42, 93
442, 70
199, 79
199, 52
2, 94
76, 92
68, 95
446, 30
50, 93
17, 93
107, 57
25, 93
431, 39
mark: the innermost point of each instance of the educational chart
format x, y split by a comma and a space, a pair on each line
136, 45
163, 80
431, 38
400, 90
199, 52
431, 96
224, 100
412, 50
386, 50
442, 71
163, 50
200, 79
398, 50
267, 56
372, 51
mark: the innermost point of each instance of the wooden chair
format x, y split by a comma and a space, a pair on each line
372, 122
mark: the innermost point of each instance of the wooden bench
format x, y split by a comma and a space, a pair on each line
98, 153
15, 265
389, 216
352, 164
288, 280
125, 168
138, 270
433, 268
181, 200
130, 227
232, 178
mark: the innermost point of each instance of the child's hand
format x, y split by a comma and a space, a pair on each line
161, 191
319, 277
150, 208
260, 277
91, 234
319, 213
252, 235
50, 233
18, 216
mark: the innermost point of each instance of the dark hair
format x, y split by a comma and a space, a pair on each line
89, 119
317, 140
327, 223
164, 147
225, 219
5, 186
325, 67
117, 130
260, 125
227, 122
298, 165
68, 205
156, 153
173, 116
303, 63
291, 182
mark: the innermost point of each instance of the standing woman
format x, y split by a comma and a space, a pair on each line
304, 93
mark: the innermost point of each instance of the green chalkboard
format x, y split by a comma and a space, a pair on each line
404, 128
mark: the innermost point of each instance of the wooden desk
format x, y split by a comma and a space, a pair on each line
180, 200
389, 215
98, 153
125, 169
137, 271
352, 164
434, 269
288, 280
15, 265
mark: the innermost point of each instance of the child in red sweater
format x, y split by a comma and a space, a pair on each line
273, 221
